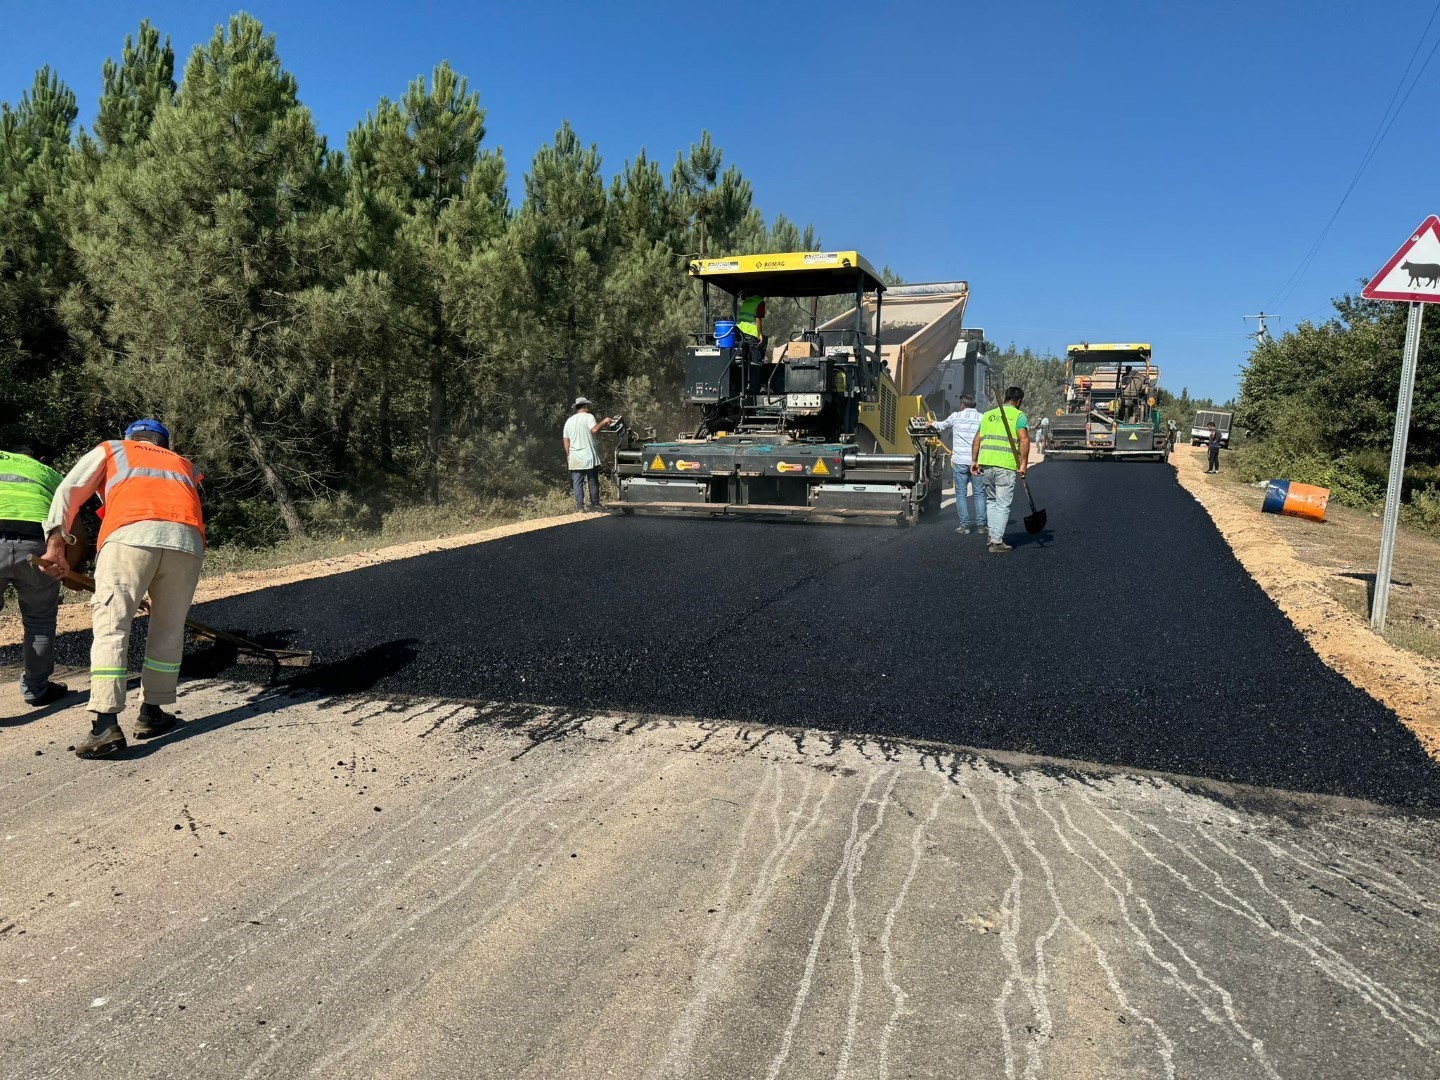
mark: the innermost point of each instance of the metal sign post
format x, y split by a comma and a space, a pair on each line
1412, 275
1381, 602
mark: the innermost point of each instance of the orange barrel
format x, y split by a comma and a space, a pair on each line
1297, 500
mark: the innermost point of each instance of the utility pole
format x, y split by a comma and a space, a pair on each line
1262, 333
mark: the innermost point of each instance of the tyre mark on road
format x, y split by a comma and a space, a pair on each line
530, 871
1010, 949
341, 864
715, 965
1005, 789
887, 961
1173, 973
857, 963
1338, 970
817, 936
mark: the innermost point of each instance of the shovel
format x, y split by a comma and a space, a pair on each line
1035, 520
277, 657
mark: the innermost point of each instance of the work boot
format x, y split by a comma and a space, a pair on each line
106, 739
153, 721
999, 546
53, 692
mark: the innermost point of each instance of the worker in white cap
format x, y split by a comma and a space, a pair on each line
583, 455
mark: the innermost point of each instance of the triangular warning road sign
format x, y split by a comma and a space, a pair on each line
820, 469
658, 465
1413, 272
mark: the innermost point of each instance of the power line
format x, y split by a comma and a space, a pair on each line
1387, 121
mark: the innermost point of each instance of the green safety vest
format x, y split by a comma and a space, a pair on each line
994, 446
749, 314
26, 488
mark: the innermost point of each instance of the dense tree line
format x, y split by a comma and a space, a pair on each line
337, 332
1319, 401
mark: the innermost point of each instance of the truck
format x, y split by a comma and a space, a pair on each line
1109, 409
1200, 429
824, 426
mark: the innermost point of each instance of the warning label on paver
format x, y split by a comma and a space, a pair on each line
658, 463
820, 469
788, 466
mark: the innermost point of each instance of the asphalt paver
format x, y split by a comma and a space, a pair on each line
1126, 634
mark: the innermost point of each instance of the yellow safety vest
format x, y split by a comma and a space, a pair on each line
26, 488
749, 316
994, 445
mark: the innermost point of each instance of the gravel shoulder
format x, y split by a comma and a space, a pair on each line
1305, 588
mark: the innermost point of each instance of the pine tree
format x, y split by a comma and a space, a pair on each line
36, 266
435, 199
198, 245
135, 89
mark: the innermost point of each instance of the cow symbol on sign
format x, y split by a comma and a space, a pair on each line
1429, 273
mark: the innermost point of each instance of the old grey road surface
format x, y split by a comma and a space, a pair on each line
360, 887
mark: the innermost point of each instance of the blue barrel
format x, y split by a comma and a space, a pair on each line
1275, 493
725, 333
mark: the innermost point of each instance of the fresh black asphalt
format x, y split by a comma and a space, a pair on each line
1126, 634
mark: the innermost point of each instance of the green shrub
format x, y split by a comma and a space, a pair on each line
1281, 460
250, 523
1422, 512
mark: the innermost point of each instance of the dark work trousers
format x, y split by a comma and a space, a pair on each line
39, 598
578, 478
1214, 465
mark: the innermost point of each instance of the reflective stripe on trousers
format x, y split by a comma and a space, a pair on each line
123, 576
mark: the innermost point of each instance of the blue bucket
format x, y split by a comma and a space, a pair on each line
725, 333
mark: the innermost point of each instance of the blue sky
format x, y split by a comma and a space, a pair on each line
1097, 169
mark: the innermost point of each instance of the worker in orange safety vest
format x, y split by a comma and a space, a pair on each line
152, 541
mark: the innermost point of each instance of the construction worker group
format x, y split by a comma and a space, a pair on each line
991, 453
151, 546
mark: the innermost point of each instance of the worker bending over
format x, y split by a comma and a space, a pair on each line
152, 541
1001, 452
27, 485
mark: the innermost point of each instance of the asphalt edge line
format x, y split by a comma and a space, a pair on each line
75, 617
1404, 682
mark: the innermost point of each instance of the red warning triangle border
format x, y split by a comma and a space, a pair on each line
1430, 224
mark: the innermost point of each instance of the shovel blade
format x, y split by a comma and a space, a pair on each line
1035, 522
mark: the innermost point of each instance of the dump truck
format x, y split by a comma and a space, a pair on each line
824, 426
1109, 408
1200, 429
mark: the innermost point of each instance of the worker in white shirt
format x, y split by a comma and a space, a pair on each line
582, 454
964, 425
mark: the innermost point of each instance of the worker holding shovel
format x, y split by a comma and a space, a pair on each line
152, 541
1000, 454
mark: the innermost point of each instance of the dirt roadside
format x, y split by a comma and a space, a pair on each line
1304, 591
77, 616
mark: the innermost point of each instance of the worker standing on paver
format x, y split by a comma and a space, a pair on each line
1212, 448
964, 425
27, 484
1000, 455
751, 321
152, 541
583, 455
